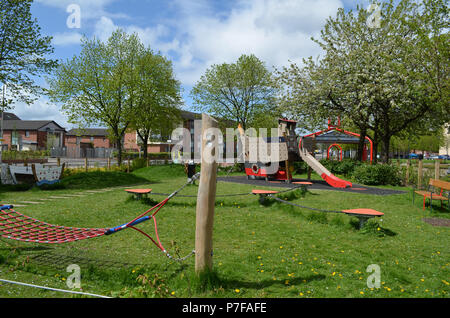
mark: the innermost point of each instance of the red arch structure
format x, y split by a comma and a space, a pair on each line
337, 128
340, 151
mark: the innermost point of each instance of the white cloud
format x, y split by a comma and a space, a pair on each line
90, 9
66, 38
276, 31
40, 110
150, 36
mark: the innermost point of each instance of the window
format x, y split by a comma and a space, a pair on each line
27, 133
92, 139
14, 138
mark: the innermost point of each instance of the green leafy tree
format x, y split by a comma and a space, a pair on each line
23, 50
386, 80
99, 85
243, 91
157, 107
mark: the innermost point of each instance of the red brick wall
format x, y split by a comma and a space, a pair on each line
98, 141
130, 141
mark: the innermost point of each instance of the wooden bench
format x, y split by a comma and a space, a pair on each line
138, 193
436, 184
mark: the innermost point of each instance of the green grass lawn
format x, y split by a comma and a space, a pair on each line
273, 250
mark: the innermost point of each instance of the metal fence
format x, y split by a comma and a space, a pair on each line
77, 152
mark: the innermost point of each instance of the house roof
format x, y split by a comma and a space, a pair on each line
88, 132
190, 115
9, 116
335, 136
12, 124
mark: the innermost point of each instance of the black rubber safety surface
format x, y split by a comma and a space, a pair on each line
316, 184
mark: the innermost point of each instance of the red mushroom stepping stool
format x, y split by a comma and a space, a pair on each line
363, 214
303, 184
263, 194
139, 193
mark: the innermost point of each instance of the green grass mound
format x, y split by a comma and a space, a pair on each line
101, 179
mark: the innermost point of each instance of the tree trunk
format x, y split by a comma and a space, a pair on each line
375, 143
145, 147
119, 153
386, 146
362, 139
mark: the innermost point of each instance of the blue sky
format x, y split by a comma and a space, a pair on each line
194, 34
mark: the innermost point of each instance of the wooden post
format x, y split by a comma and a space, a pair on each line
58, 162
437, 167
408, 166
420, 175
309, 173
86, 164
25, 162
206, 199
109, 163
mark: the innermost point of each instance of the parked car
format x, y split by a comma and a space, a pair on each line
445, 157
413, 156
434, 157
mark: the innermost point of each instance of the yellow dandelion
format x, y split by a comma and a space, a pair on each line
237, 290
172, 293
301, 294
361, 292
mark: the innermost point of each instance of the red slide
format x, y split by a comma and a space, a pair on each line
335, 182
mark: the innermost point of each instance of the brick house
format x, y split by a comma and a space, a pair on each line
88, 138
161, 143
30, 134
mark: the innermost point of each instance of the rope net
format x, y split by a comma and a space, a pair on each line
16, 226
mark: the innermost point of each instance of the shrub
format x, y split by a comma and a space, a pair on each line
138, 163
377, 174
345, 167
300, 167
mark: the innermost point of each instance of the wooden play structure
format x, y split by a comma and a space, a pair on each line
291, 148
36, 173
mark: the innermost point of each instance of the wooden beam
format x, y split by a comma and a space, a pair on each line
206, 198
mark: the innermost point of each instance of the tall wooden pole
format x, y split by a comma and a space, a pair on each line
206, 198
437, 169
420, 175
